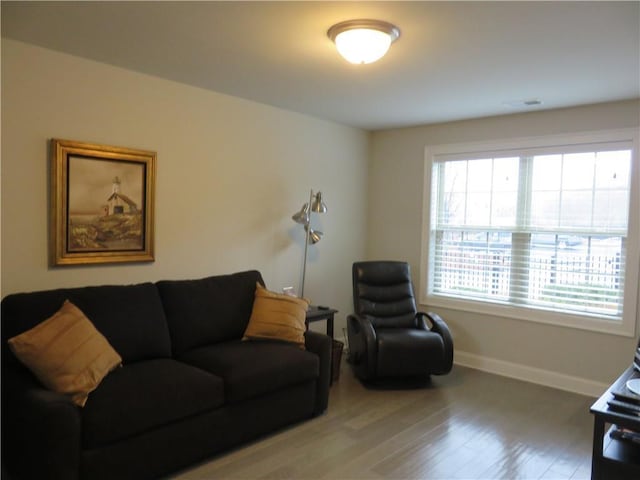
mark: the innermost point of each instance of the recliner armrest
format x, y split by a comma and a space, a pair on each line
321, 345
362, 342
440, 327
41, 429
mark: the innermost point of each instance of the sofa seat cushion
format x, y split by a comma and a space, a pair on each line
144, 395
250, 369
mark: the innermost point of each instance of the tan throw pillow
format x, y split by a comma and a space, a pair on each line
66, 353
277, 317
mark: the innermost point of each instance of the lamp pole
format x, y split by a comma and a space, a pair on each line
307, 227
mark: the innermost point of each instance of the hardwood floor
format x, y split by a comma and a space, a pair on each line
466, 425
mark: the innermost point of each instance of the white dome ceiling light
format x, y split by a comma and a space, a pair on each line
363, 41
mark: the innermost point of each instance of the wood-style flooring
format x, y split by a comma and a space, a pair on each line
465, 425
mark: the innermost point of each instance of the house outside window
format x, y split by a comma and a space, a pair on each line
542, 229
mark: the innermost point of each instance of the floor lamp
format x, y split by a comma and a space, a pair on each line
303, 217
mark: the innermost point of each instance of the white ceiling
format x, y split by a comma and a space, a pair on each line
453, 60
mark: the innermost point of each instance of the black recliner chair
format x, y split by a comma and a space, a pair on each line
388, 337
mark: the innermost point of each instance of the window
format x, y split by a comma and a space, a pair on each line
537, 229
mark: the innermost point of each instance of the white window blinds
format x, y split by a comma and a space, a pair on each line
543, 228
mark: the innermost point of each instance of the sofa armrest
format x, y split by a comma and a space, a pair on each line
321, 345
41, 429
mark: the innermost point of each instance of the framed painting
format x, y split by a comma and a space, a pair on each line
102, 203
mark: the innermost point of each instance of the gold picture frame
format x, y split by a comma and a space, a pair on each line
102, 204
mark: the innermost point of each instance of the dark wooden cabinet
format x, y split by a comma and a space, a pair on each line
611, 458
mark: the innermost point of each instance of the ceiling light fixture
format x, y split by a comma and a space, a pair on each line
363, 41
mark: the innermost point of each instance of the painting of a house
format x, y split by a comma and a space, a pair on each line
105, 205
118, 202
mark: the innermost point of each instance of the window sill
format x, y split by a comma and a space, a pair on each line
624, 328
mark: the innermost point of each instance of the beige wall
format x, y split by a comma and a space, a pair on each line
230, 174
395, 219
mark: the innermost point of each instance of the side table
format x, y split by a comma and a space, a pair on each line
315, 314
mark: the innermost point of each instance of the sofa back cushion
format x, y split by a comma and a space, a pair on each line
129, 316
208, 310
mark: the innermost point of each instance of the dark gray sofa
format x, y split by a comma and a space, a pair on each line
189, 387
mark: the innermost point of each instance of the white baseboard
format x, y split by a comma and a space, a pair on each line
547, 378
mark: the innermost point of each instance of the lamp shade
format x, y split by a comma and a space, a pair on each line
314, 235
318, 205
302, 217
363, 41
